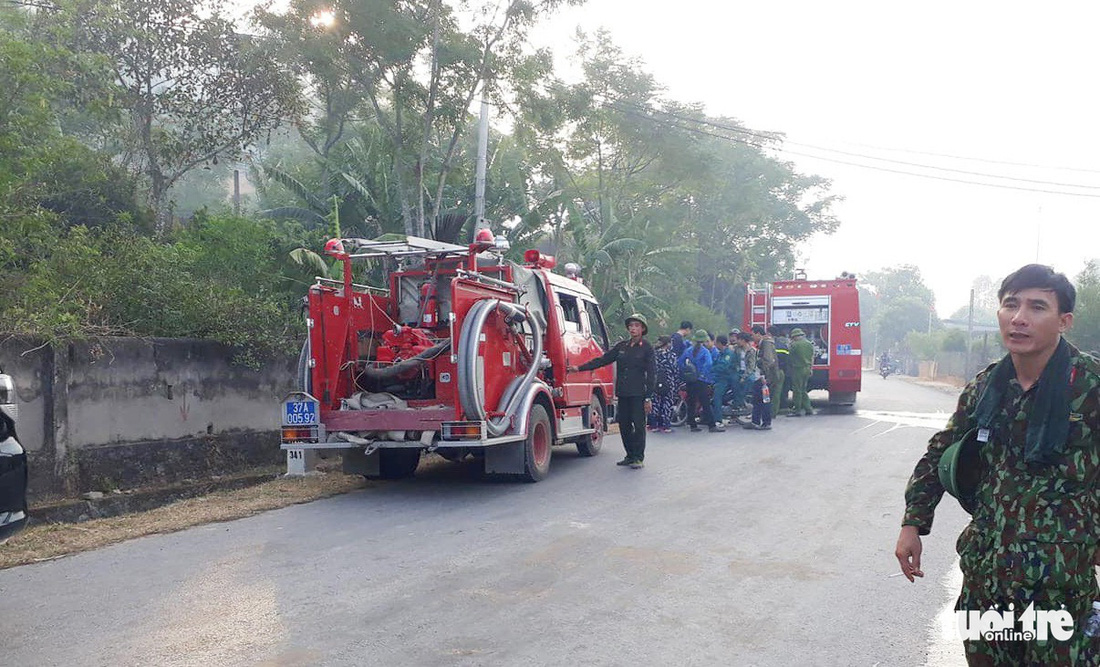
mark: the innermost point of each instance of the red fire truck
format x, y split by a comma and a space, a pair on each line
464, 354
827, 311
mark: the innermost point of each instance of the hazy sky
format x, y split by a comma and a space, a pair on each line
997, 81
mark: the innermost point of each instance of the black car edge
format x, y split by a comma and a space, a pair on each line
13, 465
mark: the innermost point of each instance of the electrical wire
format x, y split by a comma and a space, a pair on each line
787, 151
765, 136
980, 159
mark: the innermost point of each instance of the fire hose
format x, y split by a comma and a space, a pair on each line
469, 389
400, 367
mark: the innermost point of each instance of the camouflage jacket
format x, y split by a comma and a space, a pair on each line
1037, 521
801, 355
768, 359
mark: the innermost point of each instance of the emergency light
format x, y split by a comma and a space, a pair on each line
540, 260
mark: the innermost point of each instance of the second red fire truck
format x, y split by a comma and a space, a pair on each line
827, 311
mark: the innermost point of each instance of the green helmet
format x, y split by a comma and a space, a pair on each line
640, 319
797, 332
700, 336
960, 470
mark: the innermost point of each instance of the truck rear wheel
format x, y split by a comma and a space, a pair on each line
590, 445
397, 463
536, 449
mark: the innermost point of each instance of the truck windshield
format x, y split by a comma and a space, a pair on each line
595, 320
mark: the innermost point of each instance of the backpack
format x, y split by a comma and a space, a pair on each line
690, 372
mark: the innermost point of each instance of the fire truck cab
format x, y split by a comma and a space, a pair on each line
827, 311
463, 354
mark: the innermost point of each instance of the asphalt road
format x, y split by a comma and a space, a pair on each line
742, 548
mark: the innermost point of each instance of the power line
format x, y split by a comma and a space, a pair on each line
864, 156
951, 170
979, 159
947, 178
855, 164
781, 149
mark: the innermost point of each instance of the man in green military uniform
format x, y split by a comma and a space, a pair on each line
801, 363
1022, 455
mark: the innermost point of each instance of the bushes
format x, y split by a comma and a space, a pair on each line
222, 278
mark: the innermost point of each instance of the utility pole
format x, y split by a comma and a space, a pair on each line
969, 334
236, 192
482, 151
1038, 233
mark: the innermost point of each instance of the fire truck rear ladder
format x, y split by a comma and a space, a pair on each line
759, 301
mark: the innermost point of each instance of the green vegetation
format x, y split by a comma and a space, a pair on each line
895, 305
119, 122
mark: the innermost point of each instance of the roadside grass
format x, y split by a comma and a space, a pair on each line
45, 542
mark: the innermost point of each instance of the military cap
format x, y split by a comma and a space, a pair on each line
960, 470
640, 319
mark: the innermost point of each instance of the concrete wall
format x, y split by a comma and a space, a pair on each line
119, 412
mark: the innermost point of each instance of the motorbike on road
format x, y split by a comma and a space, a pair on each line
730, 411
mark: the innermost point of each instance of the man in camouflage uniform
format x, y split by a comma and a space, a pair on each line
768, 358
1034, 421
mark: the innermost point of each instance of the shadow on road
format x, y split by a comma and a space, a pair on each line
467, 474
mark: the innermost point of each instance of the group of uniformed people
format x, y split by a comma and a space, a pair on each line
753, 365
762, 366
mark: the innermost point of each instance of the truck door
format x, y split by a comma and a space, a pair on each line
845, 347
580, 345
599, 343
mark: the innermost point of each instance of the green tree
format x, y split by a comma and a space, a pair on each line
223, 278
416, 70
892, 302
190, 89
985, 302
637, 171
898, 282
1085, 333
900, 317
48, 180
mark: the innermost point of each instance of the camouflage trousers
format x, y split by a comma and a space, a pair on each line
801, 400
1077, 651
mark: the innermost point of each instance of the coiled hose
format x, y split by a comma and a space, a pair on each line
469, 389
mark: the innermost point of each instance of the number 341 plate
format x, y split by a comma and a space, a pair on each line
300, 409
